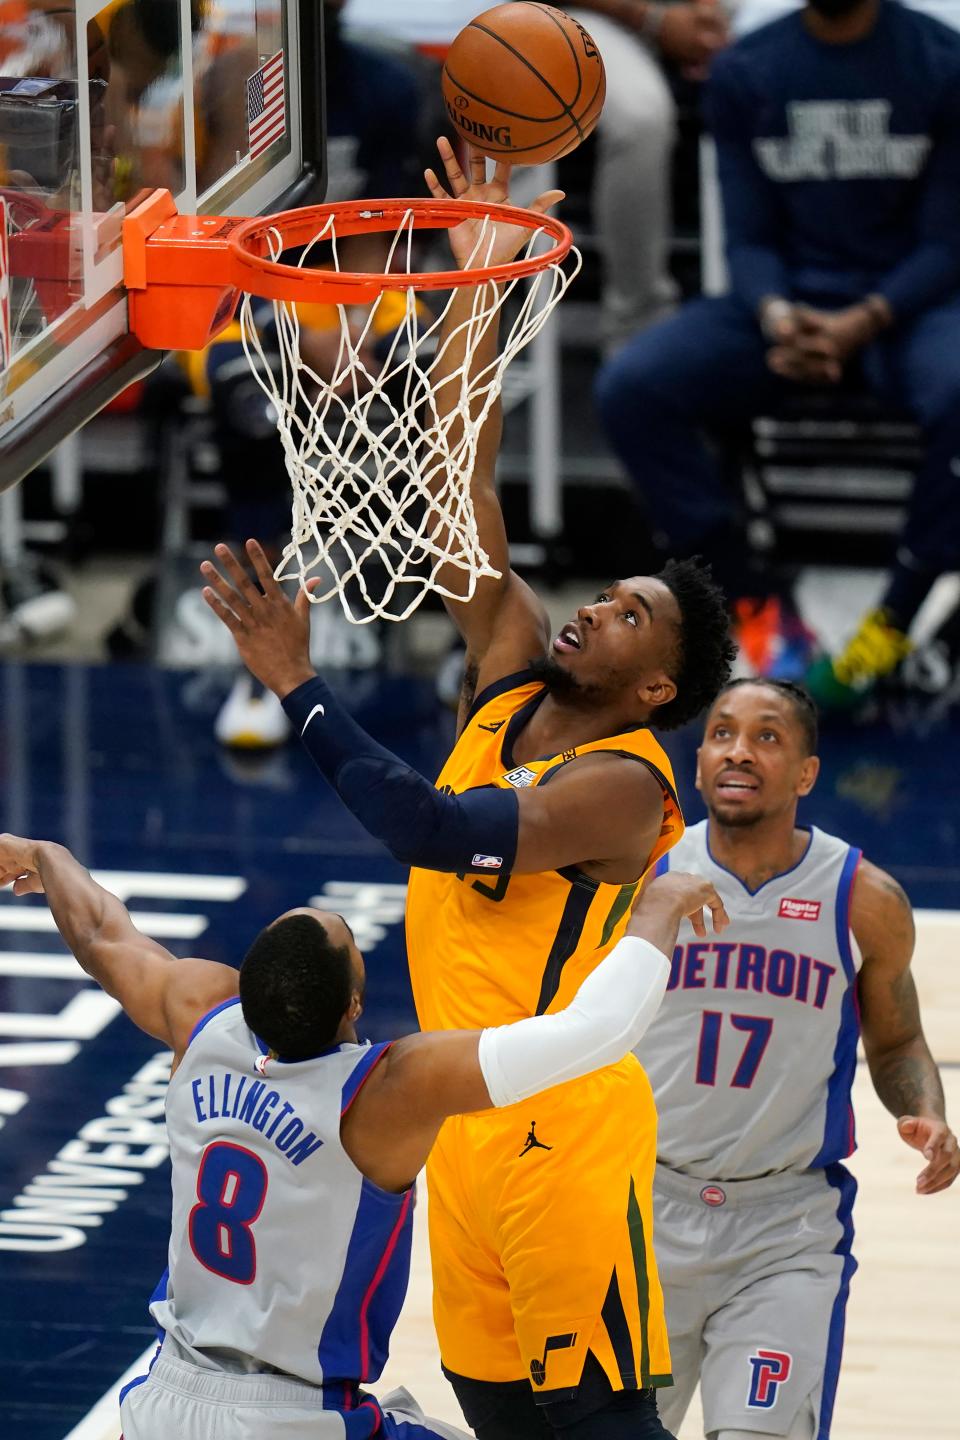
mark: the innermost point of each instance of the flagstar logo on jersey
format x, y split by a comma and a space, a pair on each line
486, 862
769, 1369
520, 778
713, 1195
799, 910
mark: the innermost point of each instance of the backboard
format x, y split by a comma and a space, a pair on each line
101, 102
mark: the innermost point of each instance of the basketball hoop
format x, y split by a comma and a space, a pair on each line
379, 474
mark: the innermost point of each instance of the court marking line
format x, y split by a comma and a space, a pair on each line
103, 1421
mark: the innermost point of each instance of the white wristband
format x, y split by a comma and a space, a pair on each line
606, 1018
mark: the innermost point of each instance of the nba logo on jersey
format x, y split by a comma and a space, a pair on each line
769, 1369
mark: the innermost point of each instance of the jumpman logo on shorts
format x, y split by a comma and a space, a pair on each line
532, 1143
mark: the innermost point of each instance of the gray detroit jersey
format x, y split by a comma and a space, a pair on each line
281, 1253
752, 1054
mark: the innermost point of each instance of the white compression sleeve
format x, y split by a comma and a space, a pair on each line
605, 1019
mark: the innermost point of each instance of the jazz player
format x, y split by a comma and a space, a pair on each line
295, 1149
752, 1059
553, 804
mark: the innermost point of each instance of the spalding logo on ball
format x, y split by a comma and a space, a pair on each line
524, 82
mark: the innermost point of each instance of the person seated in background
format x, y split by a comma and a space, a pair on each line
39, 180
838, 146
374, 103
635, 138
252, 461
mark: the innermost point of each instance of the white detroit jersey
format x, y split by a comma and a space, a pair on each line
753, 1052
281, 1253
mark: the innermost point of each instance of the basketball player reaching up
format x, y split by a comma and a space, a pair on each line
752, 1059
295, 1149
555, 801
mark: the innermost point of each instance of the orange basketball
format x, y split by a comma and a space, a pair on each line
523, 82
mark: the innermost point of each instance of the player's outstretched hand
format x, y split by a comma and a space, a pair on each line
272, 633
18, 865
940, 1149
469, 243
667, 900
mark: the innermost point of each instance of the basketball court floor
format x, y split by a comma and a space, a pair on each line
120, 764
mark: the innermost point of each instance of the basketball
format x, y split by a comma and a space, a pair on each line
523, 82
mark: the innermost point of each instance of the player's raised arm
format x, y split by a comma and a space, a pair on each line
426, 1078
606, 808
903, 1071
503, 623
161, 994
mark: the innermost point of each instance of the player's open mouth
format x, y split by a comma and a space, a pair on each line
568, 640
731, 783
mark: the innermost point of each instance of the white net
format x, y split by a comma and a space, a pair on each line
381, 472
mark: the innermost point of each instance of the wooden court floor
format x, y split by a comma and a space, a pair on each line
901, 1367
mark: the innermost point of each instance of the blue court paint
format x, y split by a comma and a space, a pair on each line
120, 764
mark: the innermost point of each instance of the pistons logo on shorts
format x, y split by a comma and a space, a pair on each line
769, 1369
713, 1195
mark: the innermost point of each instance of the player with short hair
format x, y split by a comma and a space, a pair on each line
752, 1060
555, 801
295, 1149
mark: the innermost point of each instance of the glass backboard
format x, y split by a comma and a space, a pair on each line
218, 101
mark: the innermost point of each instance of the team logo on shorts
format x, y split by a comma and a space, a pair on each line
769, 1369
713, 1195
532, 1143
520, 778
538, 1368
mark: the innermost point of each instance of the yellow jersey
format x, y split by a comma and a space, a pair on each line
490, 950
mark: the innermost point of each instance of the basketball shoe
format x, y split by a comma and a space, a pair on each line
252, 718
36, 606
875, 650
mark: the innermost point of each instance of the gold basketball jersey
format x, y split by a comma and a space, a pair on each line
490, 950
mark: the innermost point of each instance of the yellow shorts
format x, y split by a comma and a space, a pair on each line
541, 1237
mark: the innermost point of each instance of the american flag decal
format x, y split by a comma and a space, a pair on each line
266, 114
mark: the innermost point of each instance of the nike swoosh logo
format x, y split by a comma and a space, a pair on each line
317, 710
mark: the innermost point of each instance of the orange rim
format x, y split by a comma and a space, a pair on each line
256, 272
184, 274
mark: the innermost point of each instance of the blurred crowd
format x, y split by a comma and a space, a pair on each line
836, 127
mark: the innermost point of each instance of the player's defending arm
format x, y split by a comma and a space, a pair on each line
161, 994
426, 1078
504, 624
903, 1071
